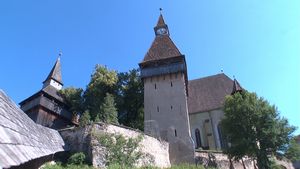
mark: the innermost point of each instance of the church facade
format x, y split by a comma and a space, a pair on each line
177, 108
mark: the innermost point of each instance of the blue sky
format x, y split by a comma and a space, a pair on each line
257, 41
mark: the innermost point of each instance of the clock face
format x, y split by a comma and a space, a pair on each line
162, 31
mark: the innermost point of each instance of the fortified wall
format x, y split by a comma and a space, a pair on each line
82, 140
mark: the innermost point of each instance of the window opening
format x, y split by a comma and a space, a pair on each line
198, 138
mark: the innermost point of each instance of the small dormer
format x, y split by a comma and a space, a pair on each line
54, 78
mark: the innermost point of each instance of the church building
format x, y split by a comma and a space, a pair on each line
47, 107
177, 108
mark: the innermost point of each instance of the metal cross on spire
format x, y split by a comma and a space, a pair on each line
160, 10
59, 54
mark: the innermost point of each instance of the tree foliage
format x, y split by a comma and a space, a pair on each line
77, 159
108, 111
254, 128
102, 81
85, 119
293, 151
120, 150
73, 98
109, 97
130, 99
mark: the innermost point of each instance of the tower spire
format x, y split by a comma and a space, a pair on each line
54, 78
161, 27
236, 86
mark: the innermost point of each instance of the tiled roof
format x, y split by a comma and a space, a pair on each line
21, 139
55, 72
162, 48
236, 87
161, 21
208, 93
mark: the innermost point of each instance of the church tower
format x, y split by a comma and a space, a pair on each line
164, 74
54, 78
47, 107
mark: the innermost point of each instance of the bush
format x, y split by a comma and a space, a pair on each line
71, 166
77, 158
120, 150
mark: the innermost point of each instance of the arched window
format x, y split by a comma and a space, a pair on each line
223, 140
198, 138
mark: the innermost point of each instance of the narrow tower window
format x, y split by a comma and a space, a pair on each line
171, 107
155, 85
171, 84
175, 133
198, 138
157, 109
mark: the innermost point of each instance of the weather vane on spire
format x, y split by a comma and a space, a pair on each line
59, 54
160, 10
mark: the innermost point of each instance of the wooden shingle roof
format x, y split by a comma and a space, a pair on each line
55, 73
208, 93
22, 140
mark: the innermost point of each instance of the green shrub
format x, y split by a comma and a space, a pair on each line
71, 166
77, 158
120, 150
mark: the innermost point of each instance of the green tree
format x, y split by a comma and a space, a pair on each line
130, 99
85, 119
73, 98
102, 81
108, 111
120, 150
293, 151
253, 128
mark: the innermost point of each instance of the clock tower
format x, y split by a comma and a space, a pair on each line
164, 74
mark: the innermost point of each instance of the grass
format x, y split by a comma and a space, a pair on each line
116, 166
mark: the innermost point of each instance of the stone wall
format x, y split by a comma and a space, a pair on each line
81, 140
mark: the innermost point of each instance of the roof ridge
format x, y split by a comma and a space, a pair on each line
210, 76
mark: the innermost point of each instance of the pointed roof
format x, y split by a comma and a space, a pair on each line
162, 47
55, 73
208, 93
161, 21
236, 87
